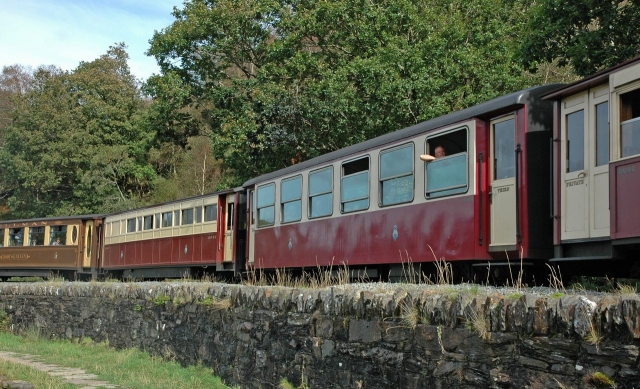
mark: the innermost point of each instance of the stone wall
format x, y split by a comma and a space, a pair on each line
371, 336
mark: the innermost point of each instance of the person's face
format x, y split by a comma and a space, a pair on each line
439, 152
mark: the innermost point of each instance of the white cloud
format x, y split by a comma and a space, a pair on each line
66, 32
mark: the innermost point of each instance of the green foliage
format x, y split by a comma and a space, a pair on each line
280, 82
75, 144
600, 380
4, 320
588, 34
161, 300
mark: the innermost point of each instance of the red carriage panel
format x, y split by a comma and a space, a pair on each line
625, 186
389, 236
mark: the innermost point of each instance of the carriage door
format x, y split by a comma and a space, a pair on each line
599, 164
88, 246
584, 164
229, 224
503, 182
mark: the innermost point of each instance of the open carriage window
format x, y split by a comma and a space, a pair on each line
447, 174
36, 236
16, 236
355, 185
630, 123
58, 235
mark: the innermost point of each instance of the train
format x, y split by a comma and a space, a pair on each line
547, 176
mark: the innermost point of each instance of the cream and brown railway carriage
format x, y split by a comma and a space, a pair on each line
596, 159
203, 234
67, 245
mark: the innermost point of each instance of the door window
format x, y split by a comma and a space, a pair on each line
504, 146
575, 141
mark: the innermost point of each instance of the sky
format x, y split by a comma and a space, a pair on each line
65, 32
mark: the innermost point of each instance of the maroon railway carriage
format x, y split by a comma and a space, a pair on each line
203, 234
387, 201
69, 246
596, 155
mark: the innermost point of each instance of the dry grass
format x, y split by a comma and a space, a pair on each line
517, 282
477, 322
625, 289
555, 279
444, 270
595, 335
323, 277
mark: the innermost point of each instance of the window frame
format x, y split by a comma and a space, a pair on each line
215, 213
358, 173
273, 205
311, 196
131, 222
292, 200
186, 212
412, 173
427, 194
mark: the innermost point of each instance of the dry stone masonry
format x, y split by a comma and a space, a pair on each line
360, 336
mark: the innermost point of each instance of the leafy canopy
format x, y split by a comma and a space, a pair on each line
277, 82
75, 145
590, 35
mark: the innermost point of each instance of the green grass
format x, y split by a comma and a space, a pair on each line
130, 368
40, 379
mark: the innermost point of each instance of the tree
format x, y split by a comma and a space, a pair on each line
590, 35
75, 145
282, 81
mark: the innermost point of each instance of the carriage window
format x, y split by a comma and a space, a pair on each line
602, 134
158, 220
167, 219
16, 236
131, 225
321, 192
176, 218
291, 199
1, 237
58, 235
355, 185
210, 213
266, 205
36, 236
396, 175
148, 222
504, 146
575, 141
199, 214
187, 216
630, 123
448, 173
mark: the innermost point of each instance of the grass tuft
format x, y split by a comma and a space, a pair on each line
600, 380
